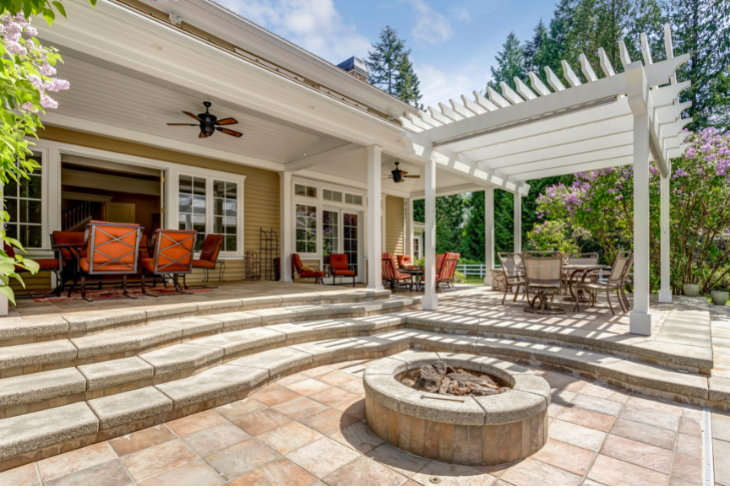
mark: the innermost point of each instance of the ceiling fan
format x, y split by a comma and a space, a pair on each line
401, 175
209, 123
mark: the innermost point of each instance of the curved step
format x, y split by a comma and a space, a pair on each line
28, 437
14, 331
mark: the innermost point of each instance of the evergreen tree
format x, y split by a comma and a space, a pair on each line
407, 83
701, 28
536, 50
472, 242
385, 60
510, 63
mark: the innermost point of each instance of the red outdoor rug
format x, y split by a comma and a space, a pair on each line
113, 293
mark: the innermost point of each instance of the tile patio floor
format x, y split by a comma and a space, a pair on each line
308, 429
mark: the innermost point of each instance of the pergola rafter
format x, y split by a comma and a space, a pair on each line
554, 127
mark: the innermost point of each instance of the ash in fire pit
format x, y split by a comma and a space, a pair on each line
443, 379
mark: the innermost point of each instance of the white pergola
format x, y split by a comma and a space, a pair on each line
509, 138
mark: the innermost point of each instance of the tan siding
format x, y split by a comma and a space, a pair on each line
394, 232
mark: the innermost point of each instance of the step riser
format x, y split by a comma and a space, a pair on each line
103, 434
113, 353
74, 327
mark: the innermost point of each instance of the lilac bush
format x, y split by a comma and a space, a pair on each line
598, 207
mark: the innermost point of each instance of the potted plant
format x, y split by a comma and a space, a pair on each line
719, 297
691, 289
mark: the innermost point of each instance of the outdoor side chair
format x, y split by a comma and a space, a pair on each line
110, 248
209, 258
392, 275
305, 271
513, 271
616, 282
544, 279
340, 267
445, 271
172, 254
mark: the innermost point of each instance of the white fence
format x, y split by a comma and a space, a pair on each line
472, 269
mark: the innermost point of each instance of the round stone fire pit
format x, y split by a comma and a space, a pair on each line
467, 430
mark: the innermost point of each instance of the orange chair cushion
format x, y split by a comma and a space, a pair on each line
149, 265
67, 238
174, 251
107, 268
405, 260
312, 274
205, 264
306, 269
211, 248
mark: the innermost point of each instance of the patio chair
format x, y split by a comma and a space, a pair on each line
172, 254
445, 269
404, 261
513, 272
110, 248
305, 271
543, 278
54, 265
70, 244
579, 259
209, 258
340, 267
616, 282
392, 275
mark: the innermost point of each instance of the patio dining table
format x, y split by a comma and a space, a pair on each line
416, 275
576, 273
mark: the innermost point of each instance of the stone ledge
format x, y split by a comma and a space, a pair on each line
115, 373
129, 407
55, 351
42, 386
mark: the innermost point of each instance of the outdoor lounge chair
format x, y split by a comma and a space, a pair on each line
513, 272
340, 267
172, 254
445, 269
392, 275
544, 279
616, 282
305, 271
404, 261
209, 258
110, 248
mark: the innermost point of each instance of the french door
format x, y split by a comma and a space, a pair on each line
341, 233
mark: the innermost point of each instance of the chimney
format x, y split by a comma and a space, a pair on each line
357, 68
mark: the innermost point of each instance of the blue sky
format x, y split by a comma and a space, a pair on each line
453, 42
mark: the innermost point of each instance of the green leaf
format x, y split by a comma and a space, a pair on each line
31, 265
60, 8
8, 292
49, 16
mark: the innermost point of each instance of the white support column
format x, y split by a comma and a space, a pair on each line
665, 292
286, 216
430, 300
374, 231
518, 223
489, 234
640, 319
408, 233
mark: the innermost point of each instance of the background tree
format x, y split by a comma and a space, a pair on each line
391, 67
536, 50
407, 87
510, 63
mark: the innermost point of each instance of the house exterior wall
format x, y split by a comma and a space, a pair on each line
394, 226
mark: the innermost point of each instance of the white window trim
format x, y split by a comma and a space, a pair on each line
51, 163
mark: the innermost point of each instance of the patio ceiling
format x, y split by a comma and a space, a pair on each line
538, 132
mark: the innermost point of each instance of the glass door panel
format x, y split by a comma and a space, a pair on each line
330, 233
351, 233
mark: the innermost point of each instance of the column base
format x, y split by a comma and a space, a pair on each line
665, 296
430, 302
640, 323
3, 305
375, 287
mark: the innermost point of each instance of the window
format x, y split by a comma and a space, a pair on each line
416, 248
350, 240
332, 195
330, 232
192, 206
225, 213
353, 199
306, 229
23, 203
307, 191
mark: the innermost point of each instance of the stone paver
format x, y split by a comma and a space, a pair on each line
607, 438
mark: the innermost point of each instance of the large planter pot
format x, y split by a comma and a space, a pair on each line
691, 290
719, 298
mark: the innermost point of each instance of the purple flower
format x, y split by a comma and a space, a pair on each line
653, 169
679, 173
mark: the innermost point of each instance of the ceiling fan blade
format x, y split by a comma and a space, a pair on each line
413, 176
202, 135
184, 124
227, 121
194, 117
403, 172
229, 131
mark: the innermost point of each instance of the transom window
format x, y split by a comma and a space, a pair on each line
308, 191
353, 199
306, 229
23, 203
332, 195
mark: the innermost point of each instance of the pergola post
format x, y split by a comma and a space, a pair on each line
518, 223
640, 320
375, 235
488, 234
286, 215
409, 227
665, 292
430, 301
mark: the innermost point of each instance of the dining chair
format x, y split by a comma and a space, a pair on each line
172, 254
513, 272
543, 279
616, 282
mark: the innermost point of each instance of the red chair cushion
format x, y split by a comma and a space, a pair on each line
343, 272
338, 262
211, 248
311, 274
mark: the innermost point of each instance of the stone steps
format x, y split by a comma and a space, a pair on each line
16, 331
154, 354
27, 438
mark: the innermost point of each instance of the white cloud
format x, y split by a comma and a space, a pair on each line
439, 86
431, 27
461, 14
312, 24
